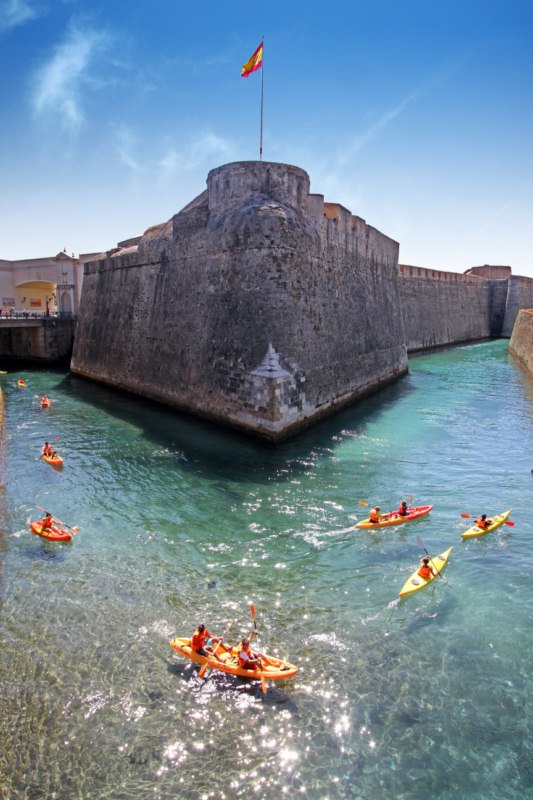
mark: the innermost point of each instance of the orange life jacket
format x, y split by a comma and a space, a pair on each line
425, 571
374, 515
244, 654
199, 639
482, 523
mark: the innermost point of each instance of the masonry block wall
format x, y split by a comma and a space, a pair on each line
520, 295
251, 306
46, 340
441, 308
521, 342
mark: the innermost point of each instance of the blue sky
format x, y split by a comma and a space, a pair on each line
416, 115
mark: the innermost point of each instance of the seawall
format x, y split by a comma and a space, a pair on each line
441, 308
47, 340
521, 342
250, 306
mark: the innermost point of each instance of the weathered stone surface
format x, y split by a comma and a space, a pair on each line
45, 339
519, 295
264, 307
521, 342
441, 308
254, 261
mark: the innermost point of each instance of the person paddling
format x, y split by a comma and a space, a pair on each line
403, 510
202, 642
375, 514
247, 658
46, 449
46, 523
482, 522
425, 571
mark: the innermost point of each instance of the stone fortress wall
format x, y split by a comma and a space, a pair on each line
261, 306
521, 343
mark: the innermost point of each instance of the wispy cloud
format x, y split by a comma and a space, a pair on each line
373, 131
202, 149
17, 12
60, 82
126, 143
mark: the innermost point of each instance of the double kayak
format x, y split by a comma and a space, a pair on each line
416, 582
498, 520
54, 534
393, 518
55, 460
274, 670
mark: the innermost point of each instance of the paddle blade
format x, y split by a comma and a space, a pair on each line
202, 670
57, 438
252, 609
508, 522
263, 684
361, 503
466, 516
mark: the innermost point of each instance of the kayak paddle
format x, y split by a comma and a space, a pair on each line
74, 530
263, 679
420, 541
205, 666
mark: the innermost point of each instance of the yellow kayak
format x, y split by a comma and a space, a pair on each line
498, 520
415, 582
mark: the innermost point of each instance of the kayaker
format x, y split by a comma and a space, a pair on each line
248, 659
375, 514
202, 642
44, 399
46, 523
403, 510
482, 522
46, 450
425, 571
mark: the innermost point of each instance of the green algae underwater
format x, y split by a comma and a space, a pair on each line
181, 523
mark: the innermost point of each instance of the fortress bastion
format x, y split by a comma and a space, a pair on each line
258, 305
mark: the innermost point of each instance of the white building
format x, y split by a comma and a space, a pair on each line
46, 286
42, 285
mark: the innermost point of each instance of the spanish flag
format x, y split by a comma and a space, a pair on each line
256, 62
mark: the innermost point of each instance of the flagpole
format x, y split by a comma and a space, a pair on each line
262, 71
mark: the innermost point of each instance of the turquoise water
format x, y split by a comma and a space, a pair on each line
181, 523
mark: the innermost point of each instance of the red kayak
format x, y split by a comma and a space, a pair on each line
54, 534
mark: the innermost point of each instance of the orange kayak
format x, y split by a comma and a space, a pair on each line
22, 383
54, 460
393, 518
275, 670
54, 534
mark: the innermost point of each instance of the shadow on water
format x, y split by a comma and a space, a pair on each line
222, 683
46, 551
222, 453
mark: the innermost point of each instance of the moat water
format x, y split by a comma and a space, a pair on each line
181, 522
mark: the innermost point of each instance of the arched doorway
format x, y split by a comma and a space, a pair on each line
65, 305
